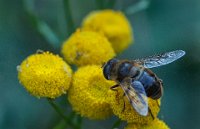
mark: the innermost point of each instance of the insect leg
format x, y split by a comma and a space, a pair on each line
113, 87
158, 103
124, 103
151, 113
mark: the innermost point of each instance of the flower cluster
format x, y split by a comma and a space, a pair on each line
87, 47
155, 124
102, 35
89, 92
129, 114
45, 75
113, 24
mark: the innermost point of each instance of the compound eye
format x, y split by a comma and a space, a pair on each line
111, 61
108, 67
106, 71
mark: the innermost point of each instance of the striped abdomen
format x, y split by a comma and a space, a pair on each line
152, 85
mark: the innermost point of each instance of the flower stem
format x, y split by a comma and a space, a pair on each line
61, 125
61, 113
79, 121
69, 18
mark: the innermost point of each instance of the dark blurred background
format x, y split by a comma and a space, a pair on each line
163, 26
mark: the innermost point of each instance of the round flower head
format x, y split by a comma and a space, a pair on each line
128, 113
113, 24
86, 48
88, 93
155, 124
45, 75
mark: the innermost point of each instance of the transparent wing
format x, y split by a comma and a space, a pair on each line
161, 59
137, 96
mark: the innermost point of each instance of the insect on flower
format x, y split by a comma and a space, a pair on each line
137, 80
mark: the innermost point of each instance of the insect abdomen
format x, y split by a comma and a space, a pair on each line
151, 85
154, 91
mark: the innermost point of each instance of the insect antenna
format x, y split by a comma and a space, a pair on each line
151, 113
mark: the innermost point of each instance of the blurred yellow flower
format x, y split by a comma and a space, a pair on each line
129, 114
88, 93
45, 75
113, 24
155, 124
86, 48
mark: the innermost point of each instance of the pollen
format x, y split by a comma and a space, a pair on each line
127, 112
155, 124
89, 91
87, 48
113, 24
45, 75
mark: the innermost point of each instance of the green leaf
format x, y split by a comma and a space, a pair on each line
69, 18
42, 28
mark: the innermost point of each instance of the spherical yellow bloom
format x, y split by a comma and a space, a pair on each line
113, 24
45, 75
89, 91
129, 114
155, 124
86, 48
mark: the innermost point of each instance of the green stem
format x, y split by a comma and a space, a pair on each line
140, 6
116, 124
61, 113
61, 125
69, 18
79, 121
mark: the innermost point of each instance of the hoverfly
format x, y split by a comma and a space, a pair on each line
137, 80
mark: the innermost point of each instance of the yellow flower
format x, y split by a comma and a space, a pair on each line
88, 93
45, 75
113, 24
86, 48
129, 114
155, 124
